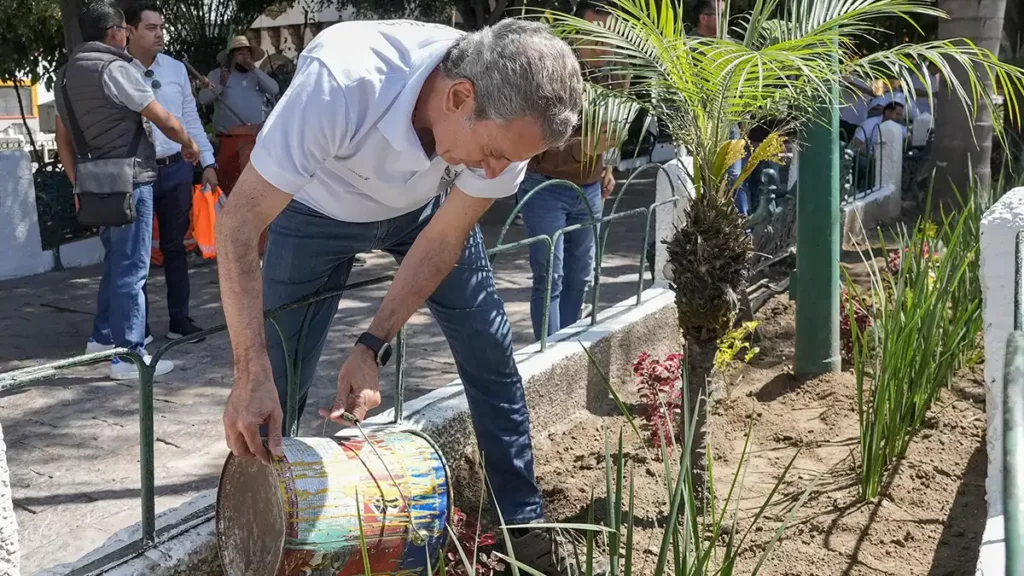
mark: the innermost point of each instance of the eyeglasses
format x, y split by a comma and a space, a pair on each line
119, 27
156, 83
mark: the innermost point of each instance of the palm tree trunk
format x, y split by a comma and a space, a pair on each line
701, 362
980, 21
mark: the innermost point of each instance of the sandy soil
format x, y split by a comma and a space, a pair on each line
928, 522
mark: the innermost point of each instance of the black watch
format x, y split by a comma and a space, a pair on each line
381, 349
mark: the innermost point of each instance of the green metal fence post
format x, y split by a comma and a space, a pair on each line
147, 373
817, 311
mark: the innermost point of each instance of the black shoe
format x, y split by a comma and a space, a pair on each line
182, 328
556, 553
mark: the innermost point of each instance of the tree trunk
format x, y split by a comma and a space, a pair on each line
956, 152
700, 389
69, 11
28, 129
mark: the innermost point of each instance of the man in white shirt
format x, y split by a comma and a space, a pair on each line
868, 133
396, 136
172, 191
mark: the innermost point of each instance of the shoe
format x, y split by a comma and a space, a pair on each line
358, 260
556, 552
126, 370
92, 346
183, 328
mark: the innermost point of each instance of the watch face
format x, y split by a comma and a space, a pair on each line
385, 355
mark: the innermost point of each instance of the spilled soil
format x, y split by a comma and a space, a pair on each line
929, 520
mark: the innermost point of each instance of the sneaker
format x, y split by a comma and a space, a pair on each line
556, 552
126, 370
92, 346
182, 328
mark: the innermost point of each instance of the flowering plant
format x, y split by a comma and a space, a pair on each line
659, 385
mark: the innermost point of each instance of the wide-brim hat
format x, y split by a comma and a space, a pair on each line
241, 42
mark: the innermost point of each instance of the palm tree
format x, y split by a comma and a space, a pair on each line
772, 67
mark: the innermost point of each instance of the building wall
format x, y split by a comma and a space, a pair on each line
31, 109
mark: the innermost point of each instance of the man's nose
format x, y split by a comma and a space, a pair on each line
493, 167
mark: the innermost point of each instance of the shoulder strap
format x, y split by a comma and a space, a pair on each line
137, 139
76, 131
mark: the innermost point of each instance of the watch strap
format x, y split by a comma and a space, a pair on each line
372, 342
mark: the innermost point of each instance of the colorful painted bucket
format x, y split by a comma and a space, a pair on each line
301, 515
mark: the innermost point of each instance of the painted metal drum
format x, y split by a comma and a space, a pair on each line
301, 515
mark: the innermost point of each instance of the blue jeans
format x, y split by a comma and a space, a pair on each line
308, 252
172, 202
553, 208
121, 304
742, 194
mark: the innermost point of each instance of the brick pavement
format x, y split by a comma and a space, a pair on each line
73, 441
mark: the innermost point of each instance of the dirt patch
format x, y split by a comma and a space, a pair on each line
929, 520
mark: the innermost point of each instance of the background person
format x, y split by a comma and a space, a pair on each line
557, 206
172, 190
238, 91
110, 113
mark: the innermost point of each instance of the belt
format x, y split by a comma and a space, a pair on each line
167, 161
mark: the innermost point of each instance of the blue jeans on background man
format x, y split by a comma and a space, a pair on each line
172, 203
553, 208
742, 193
120, 304
309, 252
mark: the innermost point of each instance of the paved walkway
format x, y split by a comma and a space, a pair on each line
73, 441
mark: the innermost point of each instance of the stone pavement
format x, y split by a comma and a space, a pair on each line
73, 442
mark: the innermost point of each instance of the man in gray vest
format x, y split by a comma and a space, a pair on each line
106, 100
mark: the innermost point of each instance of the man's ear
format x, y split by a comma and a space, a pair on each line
460, 94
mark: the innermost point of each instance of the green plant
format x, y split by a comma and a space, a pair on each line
733, 343
773, 68
927, 317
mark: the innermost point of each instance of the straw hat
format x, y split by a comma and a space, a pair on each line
241, 42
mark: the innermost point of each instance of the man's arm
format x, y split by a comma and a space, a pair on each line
254, 204
171, 128
66, 149
431, 257
267, 84
193, 125
429, 260
253, 400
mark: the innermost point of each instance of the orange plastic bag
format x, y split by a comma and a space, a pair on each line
204, 220
156, 257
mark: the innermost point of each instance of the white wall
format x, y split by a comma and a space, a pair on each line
999, 228
23, 253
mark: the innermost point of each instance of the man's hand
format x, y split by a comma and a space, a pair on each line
358, 387
607, 184
253, 401
190, 151
210, 181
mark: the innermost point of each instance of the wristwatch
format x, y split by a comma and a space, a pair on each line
381, 349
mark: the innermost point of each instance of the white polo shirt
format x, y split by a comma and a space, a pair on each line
341, 138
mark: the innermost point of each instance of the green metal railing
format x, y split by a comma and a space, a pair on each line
150, 535
1013, 425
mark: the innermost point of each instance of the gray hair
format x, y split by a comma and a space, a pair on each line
520, 69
